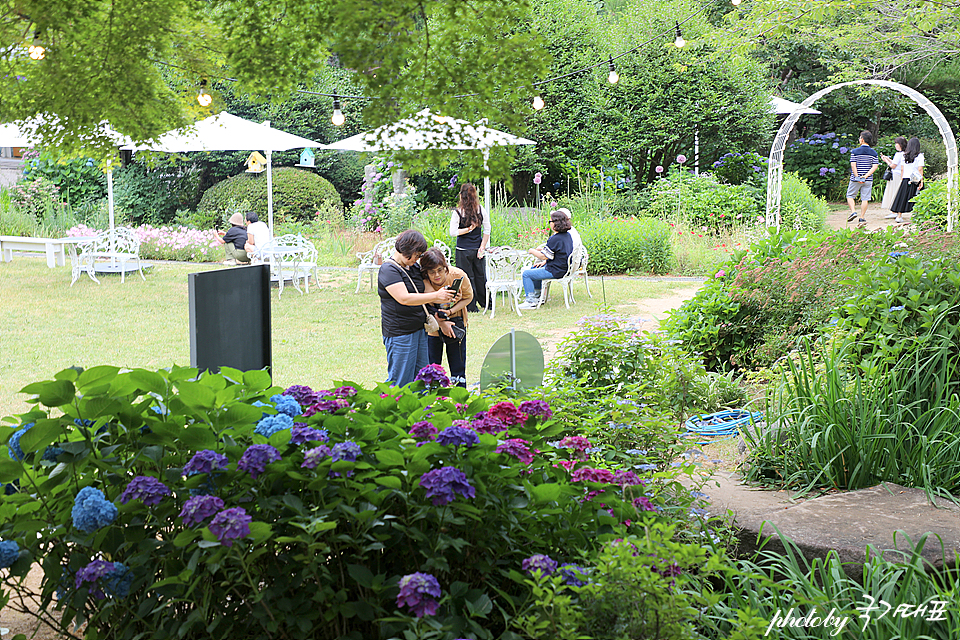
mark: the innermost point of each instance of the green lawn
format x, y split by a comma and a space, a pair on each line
326, 335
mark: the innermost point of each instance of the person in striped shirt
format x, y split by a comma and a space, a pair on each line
863, 163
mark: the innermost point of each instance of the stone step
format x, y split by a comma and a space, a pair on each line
886, 517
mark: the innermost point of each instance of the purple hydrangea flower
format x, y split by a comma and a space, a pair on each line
105, 579
199, 508
286, 405
444, 484
433, 375
419, 591
92, 574
517, 448
302, 434
146, 488
643, 504
92, 511
536, 408
573, 575
345, 392
626, 478
457, 436
577, 443
539, 562
586, 474
205, 461
255, 459
231, 524
313, 457
270, 425
423, 430
346, 451
486, 423
325, 406
302, 394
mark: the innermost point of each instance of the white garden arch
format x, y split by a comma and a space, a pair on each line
775, 166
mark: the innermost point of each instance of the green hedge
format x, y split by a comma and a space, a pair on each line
297, 195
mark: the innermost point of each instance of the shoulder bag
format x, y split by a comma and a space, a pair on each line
888, 174
431, 324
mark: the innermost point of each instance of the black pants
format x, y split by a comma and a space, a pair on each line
476, 270
456, 358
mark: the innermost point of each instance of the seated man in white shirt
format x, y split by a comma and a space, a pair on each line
574, 235
258, 233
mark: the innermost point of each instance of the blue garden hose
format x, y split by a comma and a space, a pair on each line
724, 424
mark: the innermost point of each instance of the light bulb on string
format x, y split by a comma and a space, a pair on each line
613, 77
36, 50
736, 3
337, 118
538, 103
204, 98
679, 42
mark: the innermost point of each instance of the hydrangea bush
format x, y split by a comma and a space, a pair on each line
169, 512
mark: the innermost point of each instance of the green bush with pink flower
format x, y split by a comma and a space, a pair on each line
169, 243
163, 504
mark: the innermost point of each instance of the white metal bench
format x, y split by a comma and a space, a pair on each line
110, 250
53, 247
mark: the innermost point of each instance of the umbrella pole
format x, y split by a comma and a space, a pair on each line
486, 181
270, 191
113, 235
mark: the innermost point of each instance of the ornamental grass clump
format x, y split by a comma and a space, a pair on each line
230, 531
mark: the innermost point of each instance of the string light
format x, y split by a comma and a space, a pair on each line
736, 3
36, 50
204, 98
337, 117
613, 77
679, 42
538, 103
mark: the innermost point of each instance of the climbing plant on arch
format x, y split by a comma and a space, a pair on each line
775, 167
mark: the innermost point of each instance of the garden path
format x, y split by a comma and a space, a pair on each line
875, 218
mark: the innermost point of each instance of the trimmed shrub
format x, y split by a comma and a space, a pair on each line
297, 195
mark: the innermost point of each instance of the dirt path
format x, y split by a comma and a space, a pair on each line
876, 218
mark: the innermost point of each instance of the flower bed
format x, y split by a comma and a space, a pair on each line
181, 243
160, 504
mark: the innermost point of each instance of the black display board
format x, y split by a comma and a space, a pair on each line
230, 319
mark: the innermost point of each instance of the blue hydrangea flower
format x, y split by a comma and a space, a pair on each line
9, 552
574, 575
51, 453
270, 425
457, 436
105, 579
256, 458
13, 443
91, 510
117, 581
286, 405
346, 451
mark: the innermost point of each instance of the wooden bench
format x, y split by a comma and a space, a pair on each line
53, 247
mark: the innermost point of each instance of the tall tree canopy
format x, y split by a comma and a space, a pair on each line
136, 63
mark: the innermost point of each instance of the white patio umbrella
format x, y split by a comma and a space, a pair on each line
227, 132
21, 135
779, 105
427, 130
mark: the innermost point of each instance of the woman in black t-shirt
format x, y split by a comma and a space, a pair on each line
470, 223
401, 290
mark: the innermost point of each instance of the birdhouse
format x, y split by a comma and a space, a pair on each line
307, 158
256, 163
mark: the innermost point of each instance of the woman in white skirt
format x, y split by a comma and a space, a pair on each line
896, 167
912, 179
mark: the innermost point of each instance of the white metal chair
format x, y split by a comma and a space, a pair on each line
370, 261
582, 271
118, 246
574, 263
308, 263
504, 269
444, 249
284, 255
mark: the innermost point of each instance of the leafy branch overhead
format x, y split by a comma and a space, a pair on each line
137, 63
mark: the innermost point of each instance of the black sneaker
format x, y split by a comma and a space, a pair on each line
862, 221
851, 217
